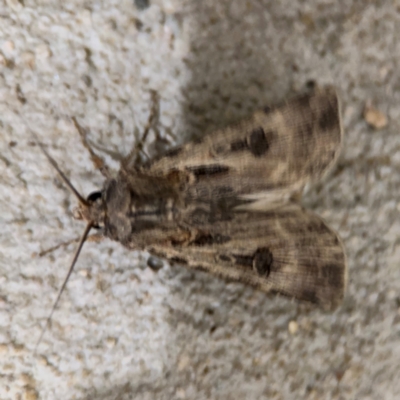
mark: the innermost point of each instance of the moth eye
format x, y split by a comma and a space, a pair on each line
94, 196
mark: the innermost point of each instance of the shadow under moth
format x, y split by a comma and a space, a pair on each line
226, 204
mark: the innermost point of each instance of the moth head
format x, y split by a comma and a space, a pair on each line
92, 210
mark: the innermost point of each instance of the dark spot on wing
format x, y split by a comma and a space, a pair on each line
207, 239
262, 261
309, 295
178, 260
333, 273
208, 170
224, 258
328, 119
258, 142
173, 152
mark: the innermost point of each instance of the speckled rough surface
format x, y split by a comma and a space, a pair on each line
124, 332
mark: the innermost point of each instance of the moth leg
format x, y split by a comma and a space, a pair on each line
133, 158
97, 161
96, 237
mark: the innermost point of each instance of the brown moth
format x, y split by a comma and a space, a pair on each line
226, 204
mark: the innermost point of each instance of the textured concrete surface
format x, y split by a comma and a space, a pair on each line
123, 332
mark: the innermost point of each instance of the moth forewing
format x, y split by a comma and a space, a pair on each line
270, 155
287, 250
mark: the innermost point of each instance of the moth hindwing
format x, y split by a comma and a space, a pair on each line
226, 204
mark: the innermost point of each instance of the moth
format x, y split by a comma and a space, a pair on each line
228, 203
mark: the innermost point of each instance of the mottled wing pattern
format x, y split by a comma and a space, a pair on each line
204, 222
275, 152
288, 250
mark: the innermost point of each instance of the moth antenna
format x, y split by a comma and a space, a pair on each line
138, 147
62, 175
97, 161
60, 292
